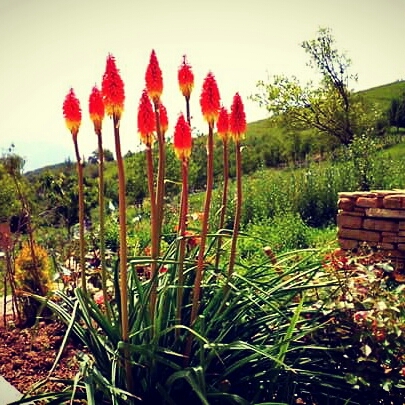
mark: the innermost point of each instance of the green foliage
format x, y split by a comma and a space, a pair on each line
364, 321
331, 108
234, 359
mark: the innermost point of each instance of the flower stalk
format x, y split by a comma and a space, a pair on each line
223, 133
97, 111
209, 102
182, 149
73, 117
237, 124
113, 97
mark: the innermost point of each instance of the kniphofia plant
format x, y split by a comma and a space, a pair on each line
73, 118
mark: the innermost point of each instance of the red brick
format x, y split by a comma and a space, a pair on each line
380, 225
349, 221
368, 202
393, 239
393, 201
360, 235
385, 213
386, 246
346, 204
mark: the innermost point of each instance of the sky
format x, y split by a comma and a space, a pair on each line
50, 46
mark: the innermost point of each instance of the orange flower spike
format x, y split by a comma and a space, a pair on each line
153, 78
210, 99
164, 121
182, 139
186, 78
72, 112
223, 124
146, 120
237, 119
96, 108
112, 88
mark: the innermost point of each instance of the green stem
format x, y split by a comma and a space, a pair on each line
224, 200
154, 230
238, 207
81, 216
102, 222
160, 175
182, 244
203, 239
123, 252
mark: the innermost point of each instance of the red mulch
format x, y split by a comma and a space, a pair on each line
27, 354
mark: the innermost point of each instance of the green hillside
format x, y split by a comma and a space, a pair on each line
382, 95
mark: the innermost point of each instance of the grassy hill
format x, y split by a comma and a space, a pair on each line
382, 95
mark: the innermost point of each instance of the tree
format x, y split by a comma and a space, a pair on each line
331, 107
396, 112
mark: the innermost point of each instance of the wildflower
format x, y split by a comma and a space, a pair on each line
99, 298
182, 139
146, 119
164, 122
237, 119
192, 239
153, 78
210, 99
223, 124
113, 89
186, 78
72, 112
96, 108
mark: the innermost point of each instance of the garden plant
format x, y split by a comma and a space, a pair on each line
221, 311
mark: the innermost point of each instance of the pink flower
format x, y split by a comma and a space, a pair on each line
99, 298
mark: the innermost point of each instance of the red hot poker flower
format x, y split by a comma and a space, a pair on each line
223, 124
164, 121
113, 89
96, 108
210, 99
186, 78
72, 112
146, 120
153, 78
182, 139
237, 119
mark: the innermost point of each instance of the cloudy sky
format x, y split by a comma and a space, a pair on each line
48, 46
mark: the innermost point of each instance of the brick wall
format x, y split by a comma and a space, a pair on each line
377, 218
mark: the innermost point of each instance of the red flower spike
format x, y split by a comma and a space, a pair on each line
72, 112
96, 108
237, 119
210, 99
223, 124
164, 121
153, 78
182, 139
113, 89
146, 119
186, 78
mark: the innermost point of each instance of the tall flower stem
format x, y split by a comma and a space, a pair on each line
123, 250
81, 216
238, 207
182, 243
237, 125
102, 222
154, 228
204, 226
161, 173
224, 198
